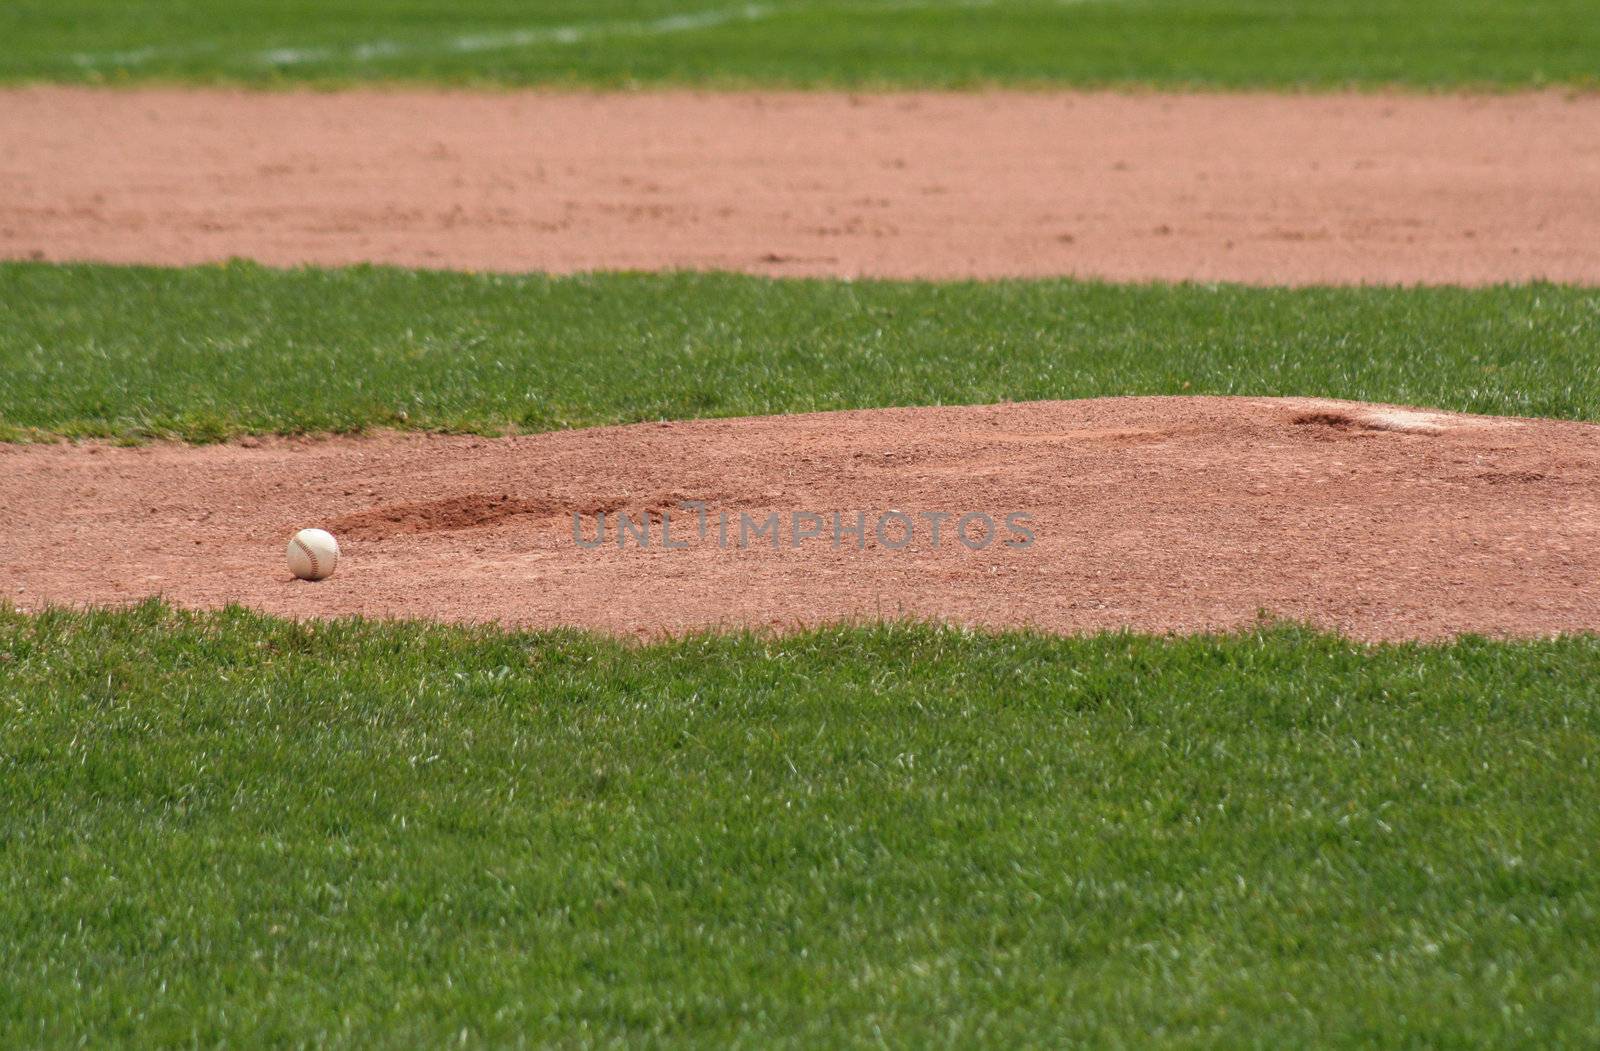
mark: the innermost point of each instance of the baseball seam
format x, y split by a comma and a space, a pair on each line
316, 568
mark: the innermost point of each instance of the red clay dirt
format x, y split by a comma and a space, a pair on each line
1160, 514
1274, 189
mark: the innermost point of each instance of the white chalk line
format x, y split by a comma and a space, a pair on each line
511, 39
471, 43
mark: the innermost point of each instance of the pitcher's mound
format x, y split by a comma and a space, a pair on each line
1159, 514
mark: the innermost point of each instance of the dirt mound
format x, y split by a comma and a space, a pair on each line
480, 510
1163, 514
469, 511
1266, 188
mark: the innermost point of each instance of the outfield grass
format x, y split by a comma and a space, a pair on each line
232, 829
210, 352
1217, 43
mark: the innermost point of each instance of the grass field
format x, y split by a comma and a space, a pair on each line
230, 829
226, 829
209, 352
1215, 43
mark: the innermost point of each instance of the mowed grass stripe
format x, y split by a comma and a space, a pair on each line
846, 43
229, 829
212, 352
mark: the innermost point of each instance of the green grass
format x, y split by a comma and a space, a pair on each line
210, 352
1216, 43
232, 829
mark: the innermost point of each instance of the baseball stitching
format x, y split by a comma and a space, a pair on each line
315, 568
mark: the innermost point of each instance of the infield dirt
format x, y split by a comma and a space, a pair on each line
1267, 189
1153, 514
1161, 514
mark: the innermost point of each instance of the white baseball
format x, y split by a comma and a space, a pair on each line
312, 554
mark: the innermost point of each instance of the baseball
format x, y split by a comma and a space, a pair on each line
312, 554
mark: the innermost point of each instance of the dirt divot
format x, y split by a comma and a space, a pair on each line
1267, 189
1405, 421
1159, 514
469, 511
